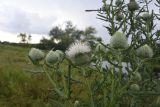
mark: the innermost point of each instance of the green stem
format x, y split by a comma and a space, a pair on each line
53, 83
87, 82
91, 94
112, 101
104, 97
69, 82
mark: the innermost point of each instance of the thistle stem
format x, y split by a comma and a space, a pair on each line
53, 83
69, 82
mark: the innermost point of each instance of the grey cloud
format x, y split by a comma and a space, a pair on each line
15, 20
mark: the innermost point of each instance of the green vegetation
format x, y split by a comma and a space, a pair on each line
130, 79
19, 88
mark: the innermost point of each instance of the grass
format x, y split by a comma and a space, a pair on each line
19, 88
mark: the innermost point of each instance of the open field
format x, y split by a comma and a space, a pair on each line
19, 88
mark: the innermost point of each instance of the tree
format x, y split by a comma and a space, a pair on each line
89, 33
56, 33
29, 38
23, 37
70, 33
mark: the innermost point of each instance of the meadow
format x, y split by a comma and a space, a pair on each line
19, 88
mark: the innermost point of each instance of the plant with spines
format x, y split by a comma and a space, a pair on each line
120, 73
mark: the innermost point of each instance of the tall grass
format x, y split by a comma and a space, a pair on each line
19, 88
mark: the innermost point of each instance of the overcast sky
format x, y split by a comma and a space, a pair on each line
37, 17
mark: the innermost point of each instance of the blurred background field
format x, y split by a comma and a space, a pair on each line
19, 88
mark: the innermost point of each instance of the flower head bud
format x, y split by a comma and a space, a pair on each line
146, 16
105, 7
60, 54
119, 2
36, 55
100, 48
119, 41
76, 104
52, 57
132, 6
119, 16
79, 53
99, 39
81, 59
145, 51
136, 77
134, 87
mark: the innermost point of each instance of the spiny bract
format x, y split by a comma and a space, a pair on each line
145, 51
36, 55
119, 41
52, 57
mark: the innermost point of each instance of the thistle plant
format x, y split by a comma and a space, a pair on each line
118, 74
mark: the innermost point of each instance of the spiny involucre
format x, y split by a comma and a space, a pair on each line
51, 57
119, 41
78, 53
61, 55
145, 51
135, 87
133, 5
36, 55
100, 48
136, 77
146, 16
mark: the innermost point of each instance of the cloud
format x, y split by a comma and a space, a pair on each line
16, 20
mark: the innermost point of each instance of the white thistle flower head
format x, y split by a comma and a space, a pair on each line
78, 53
119, 41
36, 55
51, 57
145, 51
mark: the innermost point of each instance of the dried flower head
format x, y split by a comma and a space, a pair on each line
78, 53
